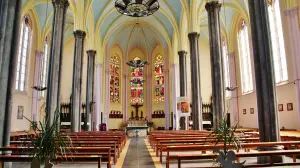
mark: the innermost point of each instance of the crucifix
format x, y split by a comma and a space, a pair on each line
137, 106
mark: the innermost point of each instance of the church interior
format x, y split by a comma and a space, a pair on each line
149, 83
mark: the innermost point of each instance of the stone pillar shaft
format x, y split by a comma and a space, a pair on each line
174, 97
90, 88
264, 74
38, 71
292, 17
10, 24
195, 77
183, 73
55, 59
77, 82
218, 92
234, 98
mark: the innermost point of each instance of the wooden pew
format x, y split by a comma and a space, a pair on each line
28, 158
269, 154
111, 144
195, 140
104, 152
205, 148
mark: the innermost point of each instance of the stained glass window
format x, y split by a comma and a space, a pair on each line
114, 79
159, 90
137, 84
279, 57
23, 54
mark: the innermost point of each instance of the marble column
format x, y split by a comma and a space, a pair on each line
216, 61
232, 77
264, 75
77, 83
195, 78
174, 97
182, 73
55, 59
98, 94
37, 81
292, 18
167, 98
9, 39
90, 89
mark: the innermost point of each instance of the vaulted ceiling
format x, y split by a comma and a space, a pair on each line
102, 21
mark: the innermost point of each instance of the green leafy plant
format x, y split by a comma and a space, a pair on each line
226, 135
47, 143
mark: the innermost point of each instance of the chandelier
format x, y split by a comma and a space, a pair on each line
137, 8
137, 63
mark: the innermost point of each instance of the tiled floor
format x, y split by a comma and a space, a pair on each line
137, 155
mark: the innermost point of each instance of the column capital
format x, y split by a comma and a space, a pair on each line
39, 53
193, 35
79, 34
60, 3
231, 54
291, 11
182, 53
98, 65
91, 52
212, 6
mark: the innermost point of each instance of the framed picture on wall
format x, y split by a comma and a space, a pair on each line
280, 107
251, 110
244, 111
289, 106
20, 112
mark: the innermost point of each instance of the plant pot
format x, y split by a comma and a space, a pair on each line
36, 163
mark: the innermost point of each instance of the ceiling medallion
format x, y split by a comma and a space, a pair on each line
137, 8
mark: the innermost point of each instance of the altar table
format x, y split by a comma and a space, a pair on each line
136, 131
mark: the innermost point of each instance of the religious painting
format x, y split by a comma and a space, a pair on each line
244, 111
114, 79
136, 84
20, 112
289, 107
251, 110
183, 105
159, 90
280, 107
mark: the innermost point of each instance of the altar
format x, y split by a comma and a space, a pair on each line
137, 128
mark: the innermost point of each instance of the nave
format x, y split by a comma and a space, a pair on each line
88, 76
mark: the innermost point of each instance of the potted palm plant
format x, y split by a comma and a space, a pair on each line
47, 143
225, 134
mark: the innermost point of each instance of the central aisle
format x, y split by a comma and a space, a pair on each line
137, 155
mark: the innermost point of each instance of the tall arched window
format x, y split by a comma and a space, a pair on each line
159, 90
137, 84
279, 57
45, 65
226, 67
114, 79
245, 61
23, 51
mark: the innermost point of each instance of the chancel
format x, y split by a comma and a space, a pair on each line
149, 83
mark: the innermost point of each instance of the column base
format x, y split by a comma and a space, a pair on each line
268, 159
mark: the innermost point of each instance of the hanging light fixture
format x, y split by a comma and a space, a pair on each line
41, 88
137, 8
136, 63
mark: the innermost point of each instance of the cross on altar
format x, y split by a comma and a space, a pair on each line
137, 106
